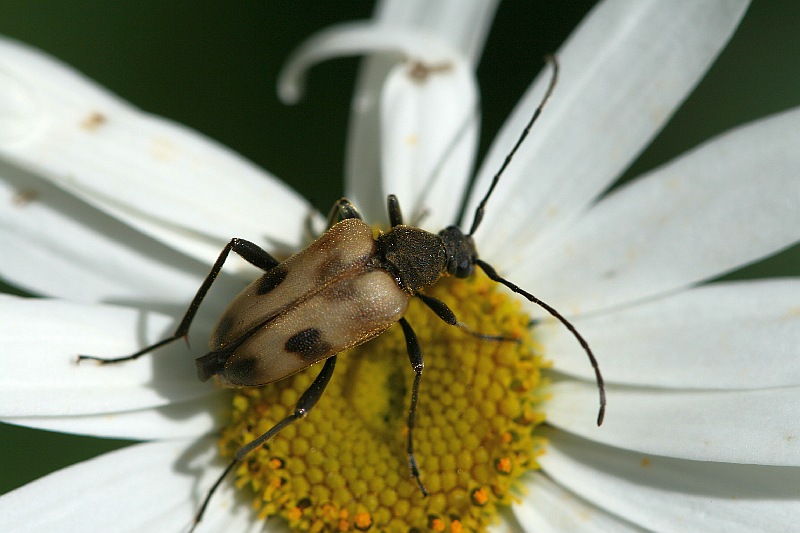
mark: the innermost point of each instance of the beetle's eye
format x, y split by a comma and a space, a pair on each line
465, 268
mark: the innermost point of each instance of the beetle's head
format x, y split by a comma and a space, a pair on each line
460, 250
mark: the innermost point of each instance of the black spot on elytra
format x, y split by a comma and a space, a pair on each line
242, 372
222, 331
271, 279
307, 343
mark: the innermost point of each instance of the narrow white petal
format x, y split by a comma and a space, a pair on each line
723, 205
41, 342
177, 420
663, 494
163, 179
624, 71
463, 23
741, 335
547, 507
56, 245
428, 139
427, 127
745, 426
413, 122
148, 487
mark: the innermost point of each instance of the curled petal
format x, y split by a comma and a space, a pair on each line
414, 117
358, 39
462, 23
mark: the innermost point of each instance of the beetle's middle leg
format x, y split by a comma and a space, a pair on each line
304, 405
249, 251
415, 355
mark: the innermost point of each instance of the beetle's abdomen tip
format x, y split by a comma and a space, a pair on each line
210, 365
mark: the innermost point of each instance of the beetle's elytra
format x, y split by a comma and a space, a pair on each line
346, 288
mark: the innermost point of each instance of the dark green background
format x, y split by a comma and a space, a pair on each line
213, 67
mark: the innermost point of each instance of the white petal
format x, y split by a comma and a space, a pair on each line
413, 117
41, 341
462, 23
193, 418
164, 179
725, 335
357, 38
56, 245
745, 426
662, 494
723, 205
547, 507
421, 119
147, 487
624, 71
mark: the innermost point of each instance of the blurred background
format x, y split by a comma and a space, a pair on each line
214, 69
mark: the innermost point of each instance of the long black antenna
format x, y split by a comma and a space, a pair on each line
492, 273
476, 221
601, 386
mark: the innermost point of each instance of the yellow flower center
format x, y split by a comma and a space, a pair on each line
344, 467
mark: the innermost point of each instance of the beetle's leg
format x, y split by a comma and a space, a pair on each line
341, 210
247, 250
304, 405
393, 206
446, 314
415, 355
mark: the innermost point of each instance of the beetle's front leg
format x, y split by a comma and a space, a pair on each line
341, 210
393, 207
249, 251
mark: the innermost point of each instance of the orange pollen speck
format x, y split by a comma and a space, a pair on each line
480, 496
503, 465
362, 521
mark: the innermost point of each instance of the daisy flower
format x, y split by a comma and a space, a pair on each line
115, 215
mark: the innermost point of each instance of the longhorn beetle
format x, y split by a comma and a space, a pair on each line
344, 289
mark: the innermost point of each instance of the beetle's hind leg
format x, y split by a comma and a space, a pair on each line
304, 405
249, 251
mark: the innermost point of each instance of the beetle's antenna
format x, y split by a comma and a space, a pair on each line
476, 221
601, 386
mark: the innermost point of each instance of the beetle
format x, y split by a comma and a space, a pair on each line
346, 288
